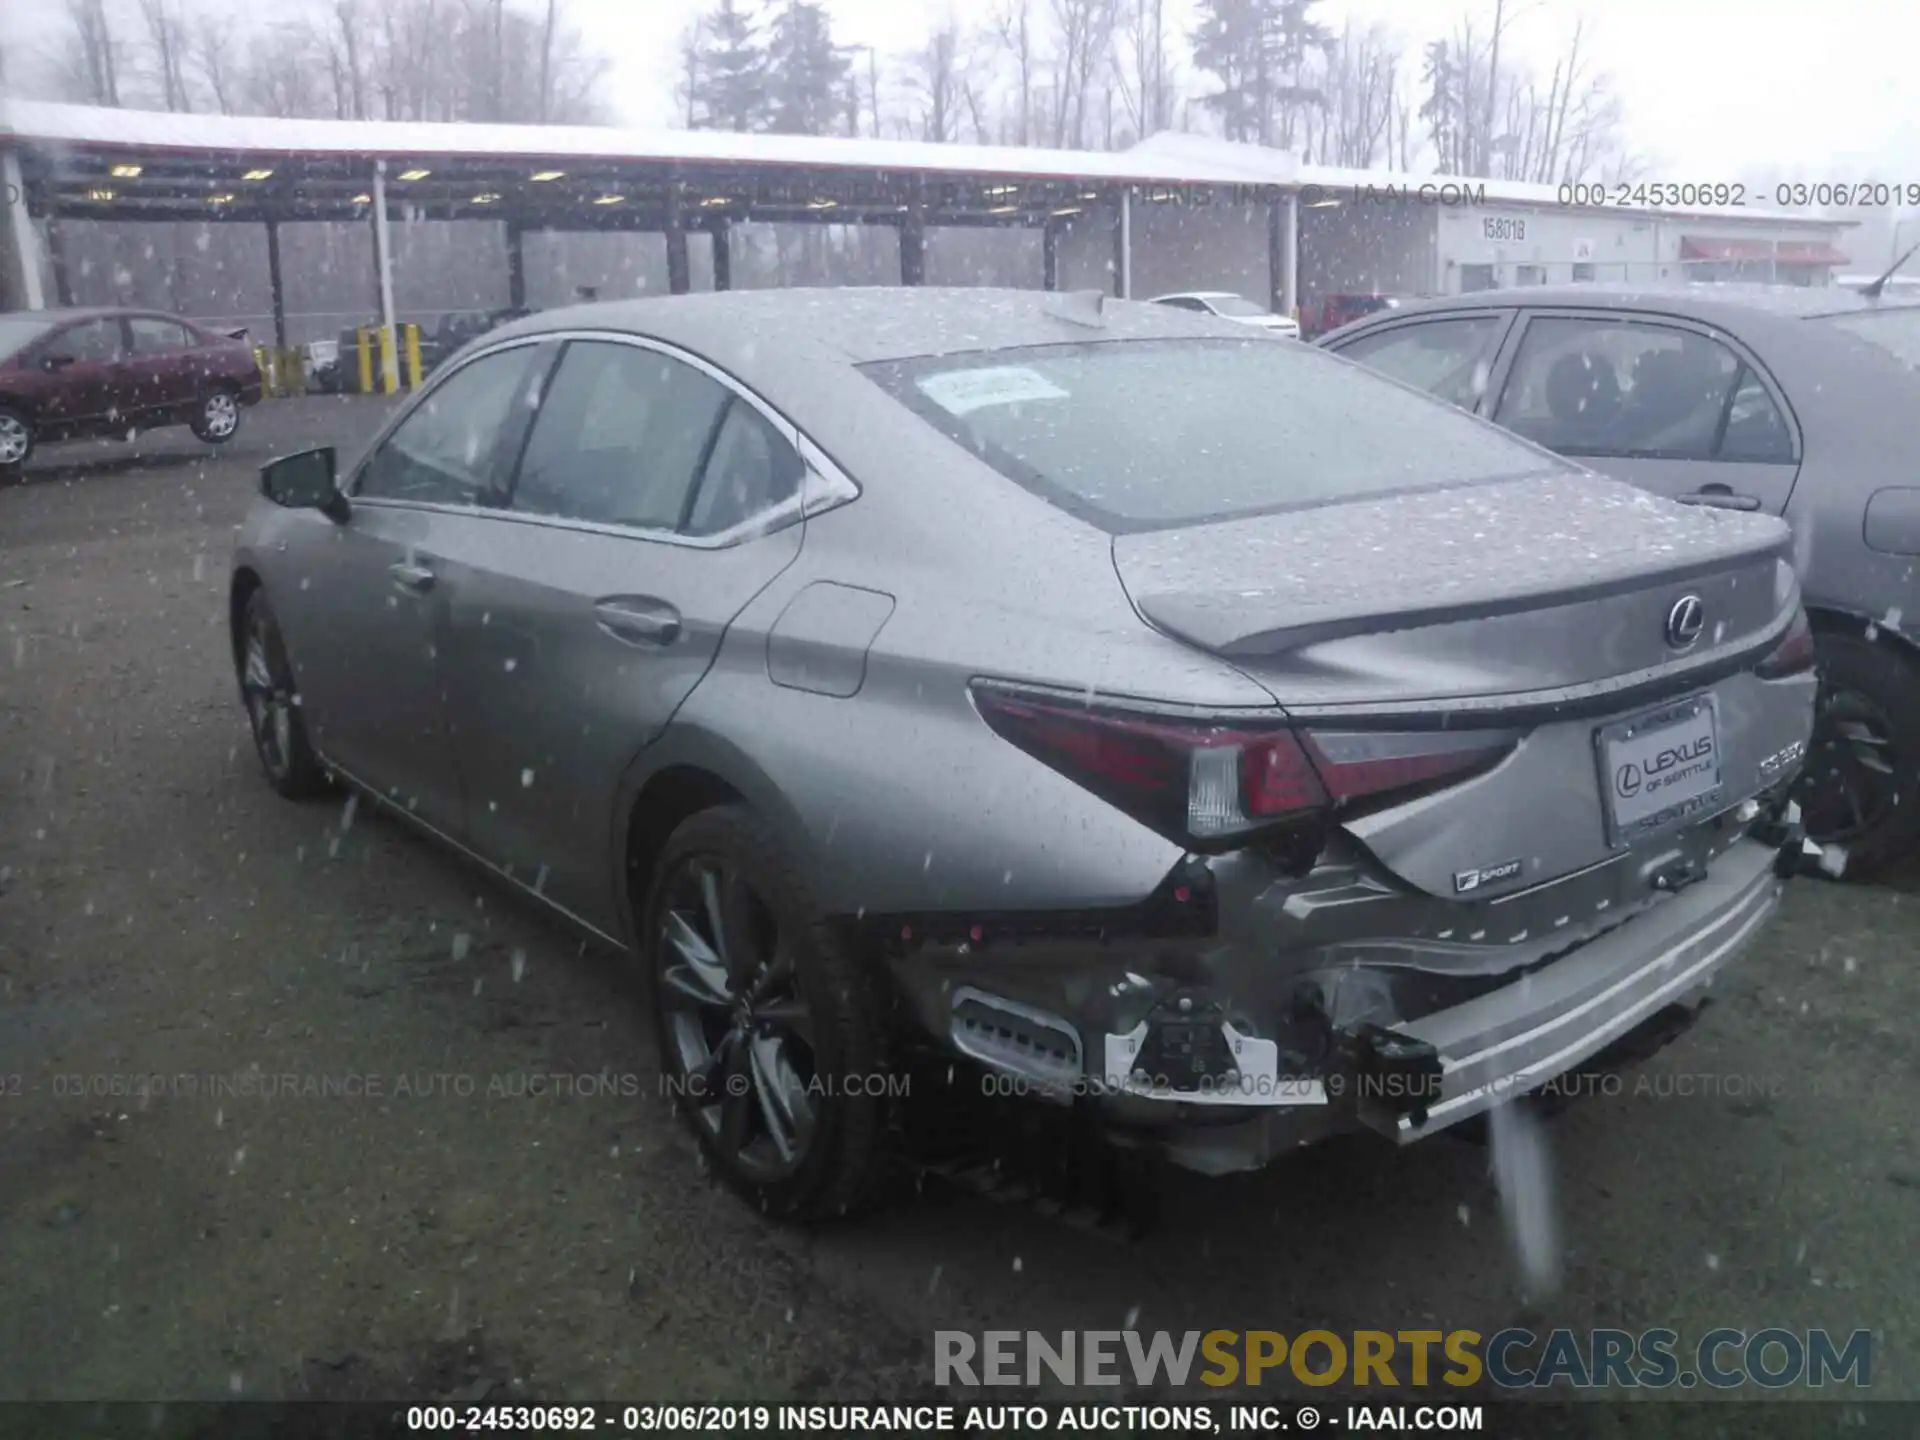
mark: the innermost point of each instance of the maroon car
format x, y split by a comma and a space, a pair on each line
1333, 311
71, 373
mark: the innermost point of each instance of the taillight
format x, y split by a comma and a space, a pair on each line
1794, 654
1205, 780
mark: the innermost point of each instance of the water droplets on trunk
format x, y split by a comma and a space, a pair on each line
462, 942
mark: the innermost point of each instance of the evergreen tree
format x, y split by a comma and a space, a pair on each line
806, 71
731, 93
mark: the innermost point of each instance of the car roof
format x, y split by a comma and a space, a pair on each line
859, 325
66, 314
1719, 301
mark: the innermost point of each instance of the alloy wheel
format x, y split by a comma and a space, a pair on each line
15, 441
740, 1032
1849, 784
270, 701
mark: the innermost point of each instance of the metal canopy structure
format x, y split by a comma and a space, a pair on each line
65, 162
85, 163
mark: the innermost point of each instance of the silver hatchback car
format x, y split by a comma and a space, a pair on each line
1206, 733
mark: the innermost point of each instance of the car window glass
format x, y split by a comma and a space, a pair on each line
1446, 358
1756, 430
751, 469
1618, 387
619, 437
1260, 427
443, 453
150, 336
1184, 302
94, 340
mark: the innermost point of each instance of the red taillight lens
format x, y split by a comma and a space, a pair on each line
1209, 780
1794, 654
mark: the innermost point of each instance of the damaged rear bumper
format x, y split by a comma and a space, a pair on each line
1292, 1020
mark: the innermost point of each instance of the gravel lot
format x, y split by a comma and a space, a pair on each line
162, 912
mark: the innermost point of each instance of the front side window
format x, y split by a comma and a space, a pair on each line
1251, 427
444, 452
1449, 359
92, 340
152, 336
1619, 387
620, 437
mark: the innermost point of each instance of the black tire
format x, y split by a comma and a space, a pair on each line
16, 440
217, 420
1860, 790
272, 702
814, 1015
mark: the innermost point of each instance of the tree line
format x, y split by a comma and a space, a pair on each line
1071, 74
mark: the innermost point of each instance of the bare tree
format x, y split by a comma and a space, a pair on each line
167, 35
687, 88
938, 80
1014, 27
89, 57
1085, 30
212, 47
1360, 79
1143, 70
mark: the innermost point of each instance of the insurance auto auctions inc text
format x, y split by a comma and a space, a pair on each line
1768, 1359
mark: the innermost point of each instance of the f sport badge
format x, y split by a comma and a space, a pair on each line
1465, 880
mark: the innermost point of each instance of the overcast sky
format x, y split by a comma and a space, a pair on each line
1714, 90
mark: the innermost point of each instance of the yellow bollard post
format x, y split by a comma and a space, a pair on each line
386, 349
413, 356
364, 339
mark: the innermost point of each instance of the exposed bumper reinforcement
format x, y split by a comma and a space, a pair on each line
1502, 1044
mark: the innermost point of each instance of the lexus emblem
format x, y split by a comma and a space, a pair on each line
1685, 621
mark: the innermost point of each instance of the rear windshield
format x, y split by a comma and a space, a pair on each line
1897, 331
19, 331
1149, 434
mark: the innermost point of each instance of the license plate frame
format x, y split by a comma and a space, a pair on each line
1625, 751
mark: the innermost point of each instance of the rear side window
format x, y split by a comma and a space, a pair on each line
1145, 434
152, 336
1618, 387
752, 469
1449, 359
619, 438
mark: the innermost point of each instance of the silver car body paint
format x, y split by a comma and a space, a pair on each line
819, 667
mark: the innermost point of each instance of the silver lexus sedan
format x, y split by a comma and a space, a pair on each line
1210, 735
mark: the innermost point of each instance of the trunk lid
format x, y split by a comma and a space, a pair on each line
1544, 607
1526, 585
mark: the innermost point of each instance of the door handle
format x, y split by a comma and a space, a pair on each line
1720, 497
639, 621
411, 576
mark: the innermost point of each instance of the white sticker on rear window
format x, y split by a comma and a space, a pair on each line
961, 392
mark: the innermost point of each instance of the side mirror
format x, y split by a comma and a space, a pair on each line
305, 481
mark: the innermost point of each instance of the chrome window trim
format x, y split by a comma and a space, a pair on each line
825, 486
